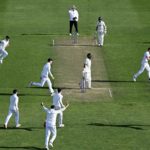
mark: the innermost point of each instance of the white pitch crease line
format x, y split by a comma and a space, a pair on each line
99, 88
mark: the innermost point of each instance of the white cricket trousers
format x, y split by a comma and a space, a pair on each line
143, 67
3, 54
100, 38
50, 130
41, 84
10, 113
88, 80
60, 116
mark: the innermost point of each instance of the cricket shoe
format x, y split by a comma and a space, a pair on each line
134, 78
61, 125
30, 84
46, 148
52, 94
51, 145
70, 34
1, 61
18, 125
5, 126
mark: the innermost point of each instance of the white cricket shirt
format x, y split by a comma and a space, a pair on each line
57, 100
14, 102
46, 70
101, 27
51, 116
145, 57
88, 64
5, 44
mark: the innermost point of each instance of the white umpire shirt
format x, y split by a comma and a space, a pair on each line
145, 57
57, 100
51, 116
73, 13
46, 70
14, 102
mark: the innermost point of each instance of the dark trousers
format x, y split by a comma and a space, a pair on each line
75, 23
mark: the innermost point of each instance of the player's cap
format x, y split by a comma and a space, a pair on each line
7, 37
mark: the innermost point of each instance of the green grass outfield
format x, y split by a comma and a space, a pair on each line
118, 123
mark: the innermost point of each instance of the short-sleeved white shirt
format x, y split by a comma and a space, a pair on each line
145, 57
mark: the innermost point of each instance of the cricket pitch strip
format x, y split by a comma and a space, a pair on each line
68, 68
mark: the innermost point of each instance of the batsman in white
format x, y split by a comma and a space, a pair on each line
144, 65
101, 30
57, 102
51, 124
13, 109
88, 69
3, 44
45, 76
84, 79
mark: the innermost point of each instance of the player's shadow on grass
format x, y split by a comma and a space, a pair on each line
146, 42
131, 126
22, 147
22, 128
25, 94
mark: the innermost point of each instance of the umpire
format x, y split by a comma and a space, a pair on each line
74, 17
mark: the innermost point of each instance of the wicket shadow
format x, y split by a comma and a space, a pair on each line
131, 126
23, 147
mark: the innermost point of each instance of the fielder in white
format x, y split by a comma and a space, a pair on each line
45, 76
13, 109
3, 44
57, 102
88, 70
101, 30
51, 124
144, 65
